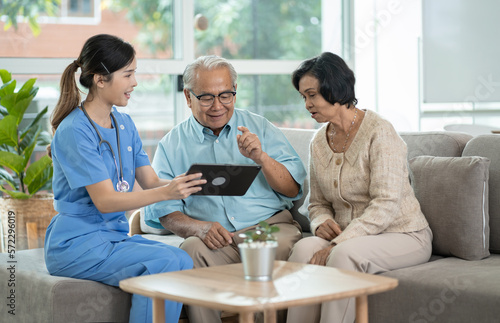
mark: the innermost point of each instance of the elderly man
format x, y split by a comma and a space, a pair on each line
220, 134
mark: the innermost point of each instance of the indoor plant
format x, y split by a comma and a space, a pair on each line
20, 179
258, 252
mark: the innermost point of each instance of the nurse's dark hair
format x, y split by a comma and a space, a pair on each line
336, 79
101, 54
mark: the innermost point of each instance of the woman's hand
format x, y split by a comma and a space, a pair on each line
319, 258
183, 185
328, 230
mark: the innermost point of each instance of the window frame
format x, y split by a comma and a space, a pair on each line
183, 50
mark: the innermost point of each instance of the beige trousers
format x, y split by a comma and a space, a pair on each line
373, 254
289, 233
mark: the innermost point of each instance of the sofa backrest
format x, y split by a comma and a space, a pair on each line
300, 140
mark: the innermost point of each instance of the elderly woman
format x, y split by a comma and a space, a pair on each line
363, 211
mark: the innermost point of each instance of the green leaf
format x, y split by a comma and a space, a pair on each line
44, 138
27, 90
19, 108
35, 28
8, 101
5, 176
12, 161
27, 153
8, 131
29, 138
16, 194
35, 121
38, 174
3, 111
8, 88
5, 76
274, 229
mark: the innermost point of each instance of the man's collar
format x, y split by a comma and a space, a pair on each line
199, 130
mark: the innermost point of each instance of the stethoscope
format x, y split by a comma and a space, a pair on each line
122, 185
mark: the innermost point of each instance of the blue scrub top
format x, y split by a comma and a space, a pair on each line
79, 161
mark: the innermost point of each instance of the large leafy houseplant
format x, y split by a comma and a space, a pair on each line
18, 140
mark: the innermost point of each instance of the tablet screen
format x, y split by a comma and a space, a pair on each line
225, 179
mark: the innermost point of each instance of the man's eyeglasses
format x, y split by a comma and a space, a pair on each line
207, 100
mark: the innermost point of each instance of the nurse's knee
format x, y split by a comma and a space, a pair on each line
185, 260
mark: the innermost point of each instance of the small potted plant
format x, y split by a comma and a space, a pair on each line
258, 252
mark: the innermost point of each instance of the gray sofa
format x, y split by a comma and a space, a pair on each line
458, 194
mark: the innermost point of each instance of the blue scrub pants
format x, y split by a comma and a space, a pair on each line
135, 256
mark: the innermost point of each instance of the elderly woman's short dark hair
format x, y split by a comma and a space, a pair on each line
336, 79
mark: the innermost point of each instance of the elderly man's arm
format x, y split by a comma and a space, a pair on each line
213, 234
276, 174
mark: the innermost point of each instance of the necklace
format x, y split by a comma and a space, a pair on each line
332, 133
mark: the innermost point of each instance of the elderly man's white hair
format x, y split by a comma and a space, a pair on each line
210, 62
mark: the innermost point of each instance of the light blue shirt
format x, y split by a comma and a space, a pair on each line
190, 142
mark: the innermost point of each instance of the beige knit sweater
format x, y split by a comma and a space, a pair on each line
365, 190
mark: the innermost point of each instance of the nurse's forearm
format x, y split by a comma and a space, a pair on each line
112, 201
147, 178
107, 200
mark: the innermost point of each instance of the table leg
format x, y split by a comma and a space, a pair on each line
362, 309
246, 317
158, 310
270, 316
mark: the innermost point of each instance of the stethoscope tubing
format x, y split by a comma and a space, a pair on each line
121, 180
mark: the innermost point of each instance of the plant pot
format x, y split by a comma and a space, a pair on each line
258, 260
29, 217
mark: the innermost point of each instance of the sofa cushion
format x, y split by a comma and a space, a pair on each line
149, 229
453, 195
41, 297
445, 290
489, 146
435, 143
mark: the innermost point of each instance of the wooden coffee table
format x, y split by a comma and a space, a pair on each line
224, 288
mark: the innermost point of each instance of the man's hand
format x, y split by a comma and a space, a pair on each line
319, 258
249, 145
328, 230
215, 236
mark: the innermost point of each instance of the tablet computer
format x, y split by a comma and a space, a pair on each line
225, 179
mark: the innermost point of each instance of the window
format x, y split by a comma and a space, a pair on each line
265, 41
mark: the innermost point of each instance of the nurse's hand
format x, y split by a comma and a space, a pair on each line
183, 185
214, 235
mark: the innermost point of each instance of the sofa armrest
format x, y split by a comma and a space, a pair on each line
135, 223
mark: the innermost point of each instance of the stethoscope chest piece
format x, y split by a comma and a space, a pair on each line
122, 186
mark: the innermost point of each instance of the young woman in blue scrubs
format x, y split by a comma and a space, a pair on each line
97, 156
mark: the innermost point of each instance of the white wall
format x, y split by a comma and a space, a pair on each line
386, 61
